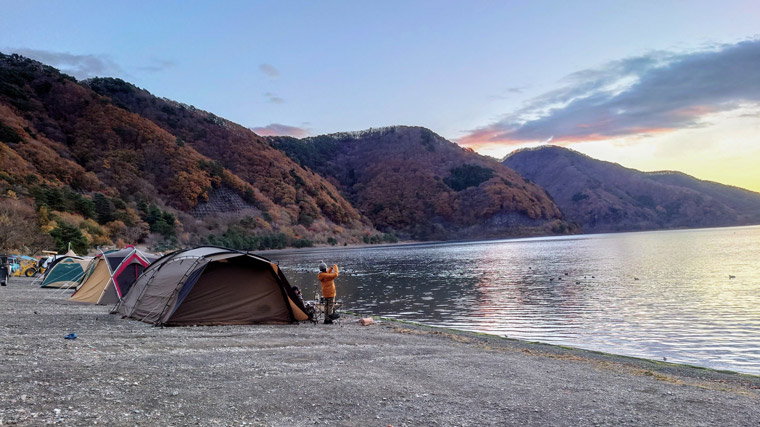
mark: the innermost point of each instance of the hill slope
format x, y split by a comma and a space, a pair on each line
94, 159
604, 196
236, 148
410, 181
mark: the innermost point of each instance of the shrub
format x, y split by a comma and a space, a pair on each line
467, 176
577, 197
8, 134
305, 220
301, 243
237, 238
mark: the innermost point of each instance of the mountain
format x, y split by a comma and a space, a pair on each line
103, 160
603, 196
410, 181
234, 147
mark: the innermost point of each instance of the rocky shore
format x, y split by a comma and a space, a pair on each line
122, 372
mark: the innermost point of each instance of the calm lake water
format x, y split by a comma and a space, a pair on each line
649, 294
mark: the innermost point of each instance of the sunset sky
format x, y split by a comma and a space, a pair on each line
651, 85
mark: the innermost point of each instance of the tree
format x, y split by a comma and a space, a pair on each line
85, 206
65, 234
160, 222
103, 208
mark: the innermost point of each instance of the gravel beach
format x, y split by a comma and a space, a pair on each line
123, 372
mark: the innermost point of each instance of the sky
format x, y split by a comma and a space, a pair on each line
652, 85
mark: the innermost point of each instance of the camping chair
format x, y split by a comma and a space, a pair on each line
317, 305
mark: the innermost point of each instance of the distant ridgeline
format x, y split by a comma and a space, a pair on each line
413, 183
604, 196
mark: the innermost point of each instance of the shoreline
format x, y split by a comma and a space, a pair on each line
559, 347
122, 372
489, 240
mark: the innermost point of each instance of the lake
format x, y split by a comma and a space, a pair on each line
662, 294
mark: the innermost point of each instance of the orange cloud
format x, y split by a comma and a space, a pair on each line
634, 97
486, 138
277, 129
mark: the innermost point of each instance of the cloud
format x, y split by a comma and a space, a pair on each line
654, 93
274, 99
509, 92
157, 65
269, 70
276, 129
80, 66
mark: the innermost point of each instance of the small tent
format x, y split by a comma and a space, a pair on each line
65, 272
212, 286
110, 275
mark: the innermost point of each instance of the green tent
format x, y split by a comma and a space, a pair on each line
66, 272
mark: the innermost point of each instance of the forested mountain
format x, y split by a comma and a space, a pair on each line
410, 181
102, 161
604, 196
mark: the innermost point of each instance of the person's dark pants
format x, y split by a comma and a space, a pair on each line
329, 306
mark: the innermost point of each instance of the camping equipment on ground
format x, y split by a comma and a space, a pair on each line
65, 272
211, 285
110, 275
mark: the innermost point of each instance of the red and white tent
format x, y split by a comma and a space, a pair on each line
110, 275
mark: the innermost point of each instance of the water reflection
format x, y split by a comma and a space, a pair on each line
655, 294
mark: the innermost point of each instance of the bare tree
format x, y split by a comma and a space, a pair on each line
19, 231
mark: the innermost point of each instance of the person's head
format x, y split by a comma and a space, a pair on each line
323, 267
296, 289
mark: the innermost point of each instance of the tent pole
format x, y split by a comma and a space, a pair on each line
112, 280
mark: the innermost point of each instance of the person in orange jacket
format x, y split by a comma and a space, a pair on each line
327, 277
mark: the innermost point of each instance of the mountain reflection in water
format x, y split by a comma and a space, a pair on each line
649, 294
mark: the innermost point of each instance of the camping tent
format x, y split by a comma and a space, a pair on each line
65, 272
212, 286
110, 275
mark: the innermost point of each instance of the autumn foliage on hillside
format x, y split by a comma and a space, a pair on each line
129, 174
237, 149
411, 181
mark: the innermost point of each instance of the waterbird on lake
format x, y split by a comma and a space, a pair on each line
731, 276
635, 278
577, 282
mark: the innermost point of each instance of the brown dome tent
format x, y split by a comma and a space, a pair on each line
111, 274
212, 286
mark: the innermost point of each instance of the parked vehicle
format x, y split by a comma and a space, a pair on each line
22, 265
4, 270
43, 263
